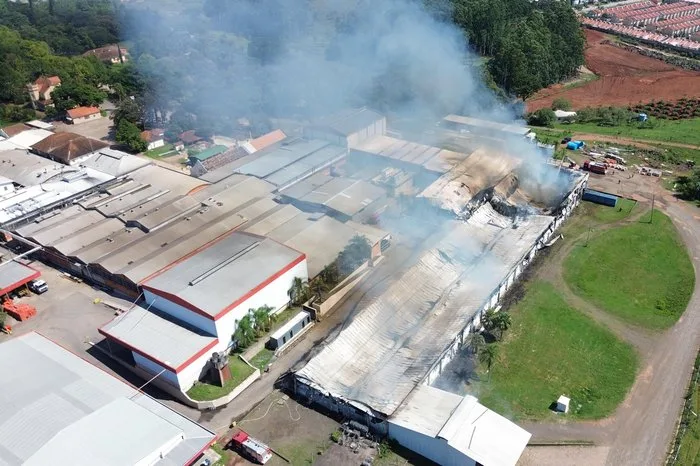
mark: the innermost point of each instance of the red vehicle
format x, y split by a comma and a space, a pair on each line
594, 167
254, 449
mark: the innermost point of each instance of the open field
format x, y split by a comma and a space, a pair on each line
157, 153
239, 372
625, 78
639, 272
553, 349
679, 131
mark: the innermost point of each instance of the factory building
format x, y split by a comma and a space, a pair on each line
348, 128
194, 305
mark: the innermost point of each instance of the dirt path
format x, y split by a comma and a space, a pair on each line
641, 429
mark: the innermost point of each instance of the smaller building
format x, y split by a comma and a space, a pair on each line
207, 154
288, 331
14, 275
189, 138
155, 138
67, 148
600, 197
81, 115
348, 128
41, 89
109, 54
264, 141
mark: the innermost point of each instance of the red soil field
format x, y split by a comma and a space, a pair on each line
625, 78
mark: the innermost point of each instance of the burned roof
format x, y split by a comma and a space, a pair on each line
65, 147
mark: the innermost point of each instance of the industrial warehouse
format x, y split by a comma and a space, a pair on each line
197, 254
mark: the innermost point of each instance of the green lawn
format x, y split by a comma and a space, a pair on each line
262, 359
206, 392
689, 449
639, 272
226, 455
157, 153
589, 215
681, 131
550, 350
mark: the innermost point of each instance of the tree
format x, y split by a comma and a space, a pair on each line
475, 342
561, 103
488, 321
71, 95
129, 110
245, 331
299, 291
688, 187
501, 323
488, 356
542, 117
354, 254
317, 287
262, 319
330, 274
130, 135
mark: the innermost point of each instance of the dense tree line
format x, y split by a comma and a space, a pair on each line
69, 27
530, 44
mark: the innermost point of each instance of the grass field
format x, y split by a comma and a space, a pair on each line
262, 359
681, 131
593, 216
640, 272
205, 392
552, 350
158, 153
688, 449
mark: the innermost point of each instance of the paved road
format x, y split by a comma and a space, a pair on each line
640, 431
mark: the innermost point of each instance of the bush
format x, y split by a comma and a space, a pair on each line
542, 117
561, 104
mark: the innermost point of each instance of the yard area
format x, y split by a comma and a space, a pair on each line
206, 392
160, 151
640, 272
262, 358
688, 448
553, 349
681, 131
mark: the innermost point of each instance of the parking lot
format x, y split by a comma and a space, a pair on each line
67, 313
98, 129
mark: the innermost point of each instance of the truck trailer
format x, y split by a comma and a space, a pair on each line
250, 447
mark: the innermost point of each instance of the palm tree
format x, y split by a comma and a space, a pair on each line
502, 322
317, 288
299, 291
475, 342
487, 320
245, 332
488, 356
262, 320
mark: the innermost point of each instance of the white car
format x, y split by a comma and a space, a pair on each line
38, 286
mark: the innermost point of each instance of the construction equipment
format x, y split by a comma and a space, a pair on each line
18, 311
594, 167
254, 449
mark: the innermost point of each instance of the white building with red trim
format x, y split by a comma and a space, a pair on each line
193, 306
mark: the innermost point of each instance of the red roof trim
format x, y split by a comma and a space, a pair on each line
262, 285
156, 360
191, 461
16, 285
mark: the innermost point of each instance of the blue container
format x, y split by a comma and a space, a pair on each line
600, 197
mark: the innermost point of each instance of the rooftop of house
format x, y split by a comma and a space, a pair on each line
81, 112
66, 147
209, 153
152, 135
107, 53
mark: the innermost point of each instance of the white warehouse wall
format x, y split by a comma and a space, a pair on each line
183, 379
274, 295
179, 312
435, 449
155, 368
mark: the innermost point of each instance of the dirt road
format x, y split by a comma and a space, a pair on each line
640, 431
641, 143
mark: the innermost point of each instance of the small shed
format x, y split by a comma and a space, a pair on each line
563, 404
600, 197
288, 331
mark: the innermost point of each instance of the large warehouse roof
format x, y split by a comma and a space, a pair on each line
292, 161
349, 121
486, 125
393, 343
223, 274
342, 194
466, 425
173, 344
29, 169
59, 409
429, 157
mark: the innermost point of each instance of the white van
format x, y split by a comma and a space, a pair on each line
38, 286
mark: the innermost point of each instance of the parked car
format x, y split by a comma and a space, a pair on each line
38, 286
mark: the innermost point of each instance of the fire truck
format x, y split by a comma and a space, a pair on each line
250, 447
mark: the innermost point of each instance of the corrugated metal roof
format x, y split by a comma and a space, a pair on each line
13, 274
208, 153
349, 121
486, 125
222, 273
394, 341
59, 409
158, 335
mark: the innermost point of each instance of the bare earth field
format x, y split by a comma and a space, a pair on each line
624, 78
